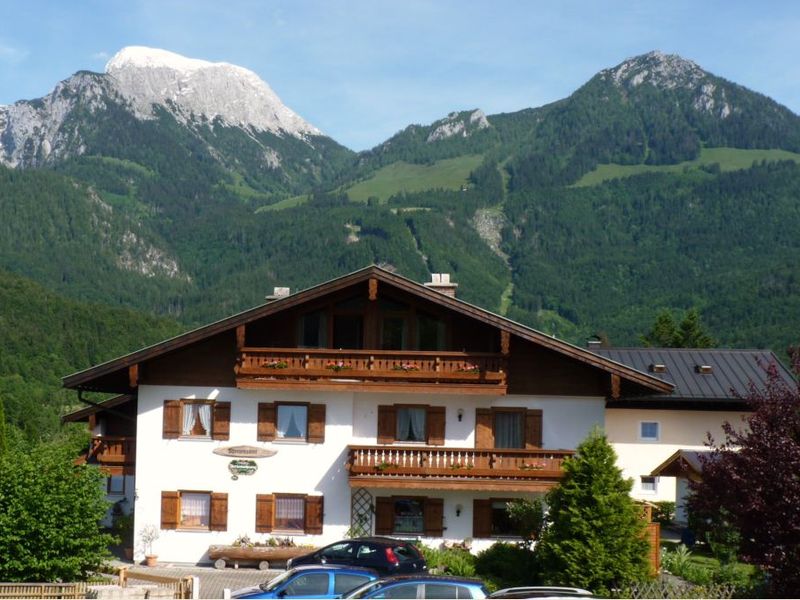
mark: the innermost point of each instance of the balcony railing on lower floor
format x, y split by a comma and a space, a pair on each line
450, 468
112, 450
383, 369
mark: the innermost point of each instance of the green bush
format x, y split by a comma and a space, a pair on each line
450, 561
664, 512
507, 565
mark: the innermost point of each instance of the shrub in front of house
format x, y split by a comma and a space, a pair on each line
507, 565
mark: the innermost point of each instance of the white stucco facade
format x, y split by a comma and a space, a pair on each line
313, 469
678, 429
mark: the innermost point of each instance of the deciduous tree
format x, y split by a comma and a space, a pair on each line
750, 483
50, 512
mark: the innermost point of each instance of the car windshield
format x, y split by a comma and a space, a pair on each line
406, 552
273, 583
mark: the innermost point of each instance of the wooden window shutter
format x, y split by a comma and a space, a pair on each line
314, 514
221, 428
264, 512
172, 420
266, 421
533, 428
316, 423
219, 512
387, 424
481, 518
170, 510
384, 516
484, 434
433, 513
436, 419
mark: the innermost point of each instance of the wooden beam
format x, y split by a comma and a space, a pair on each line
240, 337
616, 384
505, 342
133, 375
373, 289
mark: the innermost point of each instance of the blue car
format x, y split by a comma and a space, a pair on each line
311, 581
422, 586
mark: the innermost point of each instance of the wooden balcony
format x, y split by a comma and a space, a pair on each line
374, 370
425, 467
112, 451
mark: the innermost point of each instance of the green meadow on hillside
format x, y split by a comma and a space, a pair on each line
729, 159
448, 174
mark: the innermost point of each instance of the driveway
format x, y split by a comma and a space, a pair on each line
212, 581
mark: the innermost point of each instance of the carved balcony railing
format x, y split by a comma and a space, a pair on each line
382, 369
112, 450
443, 467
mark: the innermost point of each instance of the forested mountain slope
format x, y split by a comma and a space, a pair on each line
141, 202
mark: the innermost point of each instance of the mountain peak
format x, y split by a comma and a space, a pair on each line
663, 71
144, 57
191, 87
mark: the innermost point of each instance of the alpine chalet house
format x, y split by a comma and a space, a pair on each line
367, 404
658, 437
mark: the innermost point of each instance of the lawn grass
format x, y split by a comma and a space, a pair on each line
449, 174
729, 159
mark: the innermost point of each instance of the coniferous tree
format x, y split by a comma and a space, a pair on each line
595, 533
689, 333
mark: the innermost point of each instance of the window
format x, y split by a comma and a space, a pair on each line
430, 333
348, 332
313, 329
292, 422
309, 584
195, 510
649, 484
409, 516
649, 431
509, 429
115, 485
411, 424
501, 521
403, 591
393, 333
342, 551
196, 418
290, 513
343, 582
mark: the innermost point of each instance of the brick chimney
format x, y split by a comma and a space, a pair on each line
441, 283
278, 293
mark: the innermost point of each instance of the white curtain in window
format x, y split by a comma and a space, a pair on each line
508, 430
189, 416
204, 412
195, 509
291, 421
411, 424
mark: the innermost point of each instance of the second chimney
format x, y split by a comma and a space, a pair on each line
278, 293
441, 283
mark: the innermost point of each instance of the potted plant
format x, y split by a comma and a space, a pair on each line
123, 528
148, 535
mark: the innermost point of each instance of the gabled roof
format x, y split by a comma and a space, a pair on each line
82, 379
82, 414
728, 378
683, 463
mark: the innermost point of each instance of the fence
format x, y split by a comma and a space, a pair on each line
66, 591
181, 587
663, 589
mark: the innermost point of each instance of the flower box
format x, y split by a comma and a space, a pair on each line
262, 556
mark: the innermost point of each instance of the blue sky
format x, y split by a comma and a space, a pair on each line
362, 70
